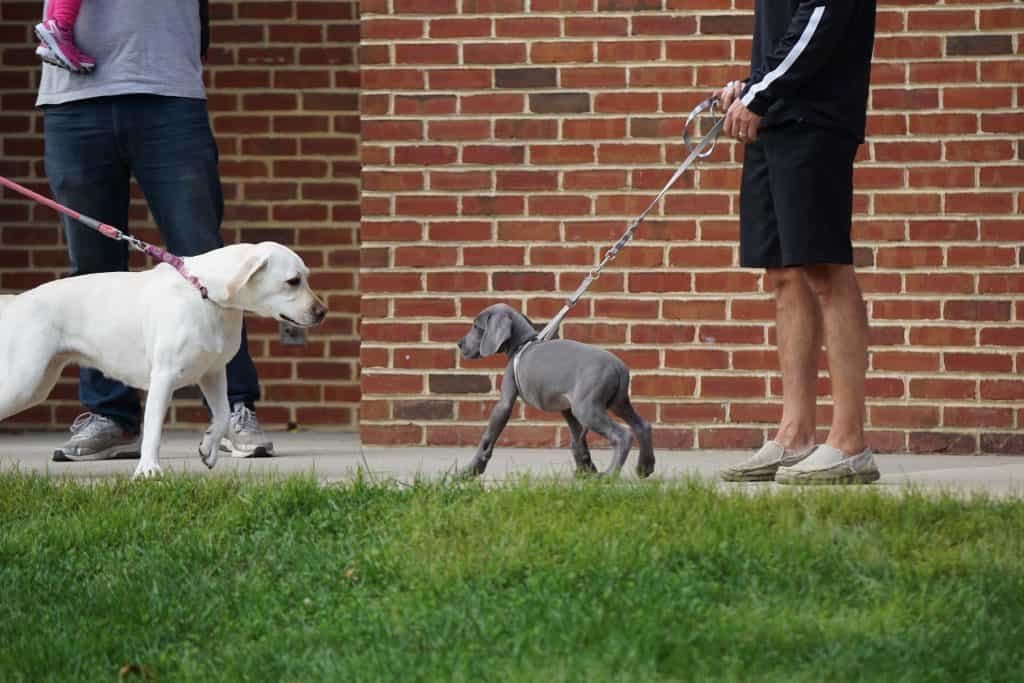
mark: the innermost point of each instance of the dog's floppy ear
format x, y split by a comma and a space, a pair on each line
496, 332
249, 267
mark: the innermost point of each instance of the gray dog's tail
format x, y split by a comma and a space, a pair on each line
620, 397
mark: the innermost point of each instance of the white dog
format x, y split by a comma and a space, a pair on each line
151, 330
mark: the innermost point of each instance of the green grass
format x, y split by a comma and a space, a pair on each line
206, 578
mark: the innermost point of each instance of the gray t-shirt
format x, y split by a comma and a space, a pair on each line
140, 47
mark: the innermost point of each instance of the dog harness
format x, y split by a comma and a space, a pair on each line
515, 363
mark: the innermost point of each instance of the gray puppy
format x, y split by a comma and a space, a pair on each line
580, 381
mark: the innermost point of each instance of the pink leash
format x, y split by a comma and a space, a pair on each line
113, 233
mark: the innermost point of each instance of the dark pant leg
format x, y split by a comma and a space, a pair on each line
759, 227
811, 172
174, 159
86, 173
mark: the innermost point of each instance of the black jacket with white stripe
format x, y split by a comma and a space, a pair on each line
811, 61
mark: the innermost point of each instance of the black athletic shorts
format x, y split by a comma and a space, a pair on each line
796, 198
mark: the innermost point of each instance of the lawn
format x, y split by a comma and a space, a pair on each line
209, 578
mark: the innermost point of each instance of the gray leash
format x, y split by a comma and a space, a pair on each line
699, 151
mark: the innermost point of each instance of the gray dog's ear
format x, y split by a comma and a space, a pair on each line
496, 332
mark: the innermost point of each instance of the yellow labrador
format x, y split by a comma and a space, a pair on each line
151, 330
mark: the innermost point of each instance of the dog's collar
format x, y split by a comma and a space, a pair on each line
516, 355
178, 264
523, 345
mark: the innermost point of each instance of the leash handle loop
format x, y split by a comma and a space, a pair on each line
711, 106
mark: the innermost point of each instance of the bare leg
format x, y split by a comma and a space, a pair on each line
846, 346
799, 328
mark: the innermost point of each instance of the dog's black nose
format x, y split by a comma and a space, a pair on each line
319, 311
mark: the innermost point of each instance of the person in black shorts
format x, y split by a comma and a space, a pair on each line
801, 116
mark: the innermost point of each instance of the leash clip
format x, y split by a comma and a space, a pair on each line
710, 106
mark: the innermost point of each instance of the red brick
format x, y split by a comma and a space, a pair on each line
942, 336
596, 26
730, 438
381, 383
933, 442
656, 281
959, 416
1002, 390
697, 359
390, 435
904, 361
460, 28
494, 53
674, 386
939, 283
731, 386
906, 309
977, 310
459, 79
980, 202
907, 417
974, 98
593, 77
693, 412
957, 389
1007, 443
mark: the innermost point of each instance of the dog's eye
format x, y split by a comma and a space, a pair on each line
294, 282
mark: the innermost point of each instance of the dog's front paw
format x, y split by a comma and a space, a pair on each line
147, 470
209, 449
471, 471
210, 458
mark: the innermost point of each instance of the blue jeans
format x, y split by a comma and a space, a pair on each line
93, 147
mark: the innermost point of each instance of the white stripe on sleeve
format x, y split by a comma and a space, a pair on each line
783, 67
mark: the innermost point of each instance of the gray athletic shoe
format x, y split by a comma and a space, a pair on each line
763, 464
95, 437
831, 466
245, 438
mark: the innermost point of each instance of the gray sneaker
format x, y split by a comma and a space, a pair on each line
829, 465
763, 464
95, 437
245, 438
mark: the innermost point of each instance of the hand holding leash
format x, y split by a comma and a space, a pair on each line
740, 122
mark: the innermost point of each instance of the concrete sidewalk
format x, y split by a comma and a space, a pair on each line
336, 456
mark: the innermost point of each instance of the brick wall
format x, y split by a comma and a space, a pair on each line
283, 95
506, 144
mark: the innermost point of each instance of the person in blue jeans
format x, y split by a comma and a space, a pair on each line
141, 114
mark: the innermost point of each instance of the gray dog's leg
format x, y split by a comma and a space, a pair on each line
580, 450
593, 416
642, 430
495, 424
